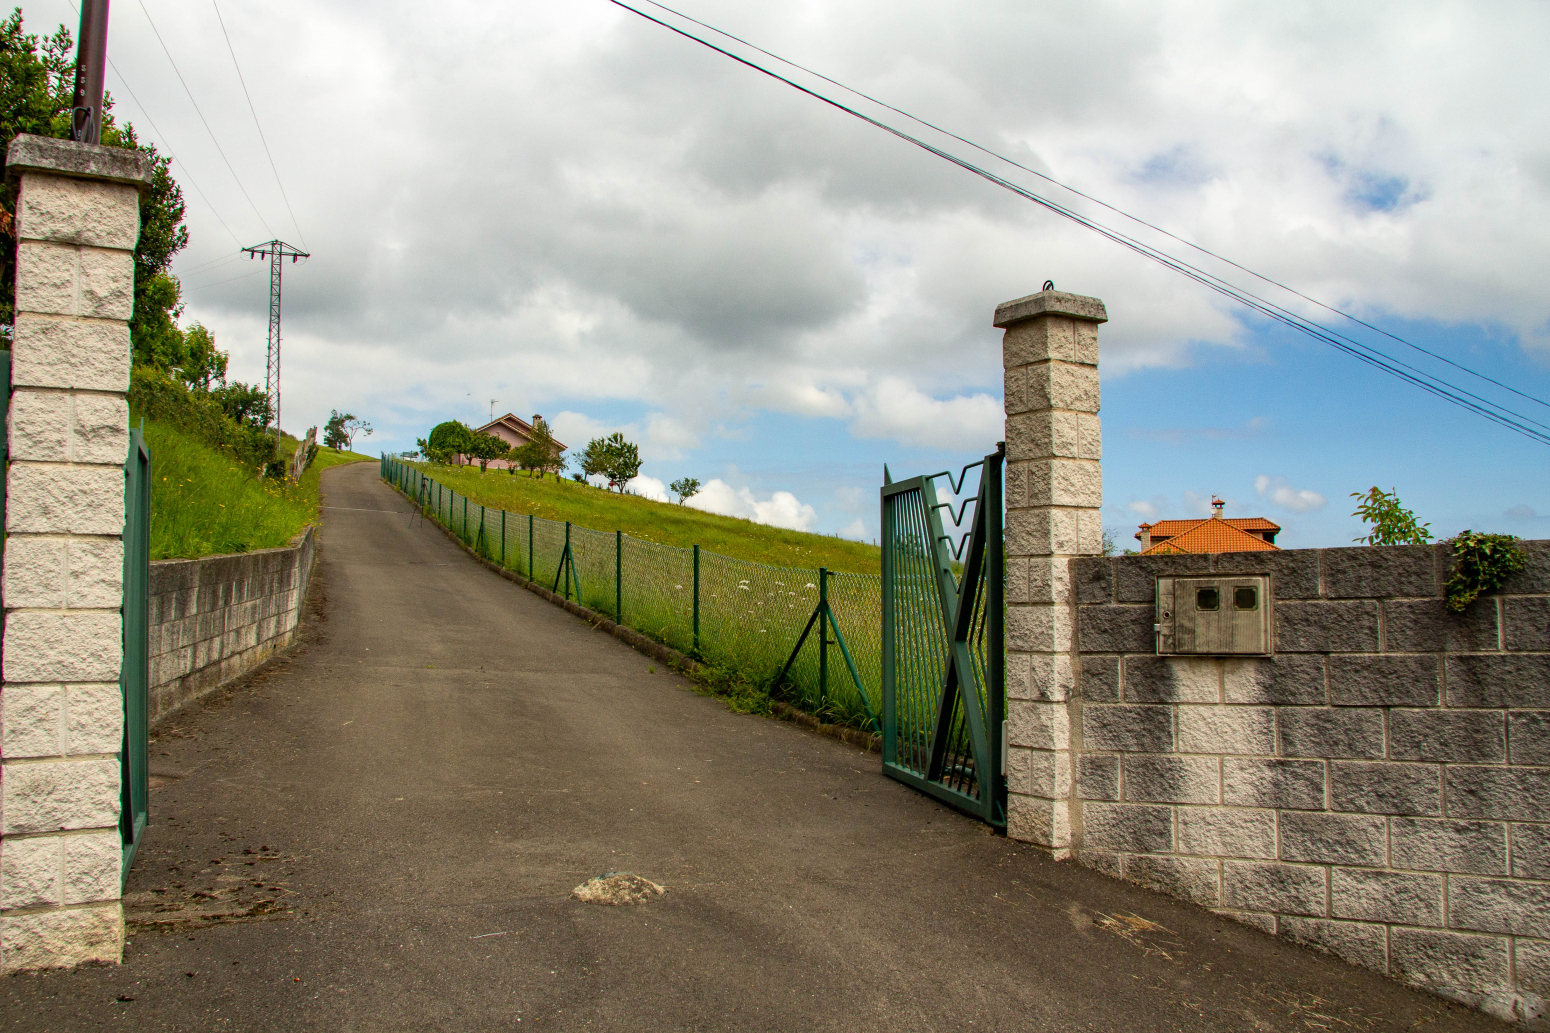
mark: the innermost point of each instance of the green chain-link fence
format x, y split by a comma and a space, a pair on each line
740, 616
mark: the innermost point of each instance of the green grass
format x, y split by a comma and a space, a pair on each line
204, 503
662, 522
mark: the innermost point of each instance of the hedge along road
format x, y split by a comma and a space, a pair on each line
382, 832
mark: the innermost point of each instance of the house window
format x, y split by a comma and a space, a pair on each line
1208, 599
1245, 598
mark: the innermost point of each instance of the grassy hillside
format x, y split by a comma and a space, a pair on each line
205, 503
662, 522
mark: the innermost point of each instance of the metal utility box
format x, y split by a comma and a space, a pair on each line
1214, 616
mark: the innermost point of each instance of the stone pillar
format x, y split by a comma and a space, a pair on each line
61, 709
1054, 493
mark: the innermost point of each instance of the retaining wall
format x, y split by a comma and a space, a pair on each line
1379, 787
215, 618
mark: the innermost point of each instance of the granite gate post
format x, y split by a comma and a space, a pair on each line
1054, 491
61, 709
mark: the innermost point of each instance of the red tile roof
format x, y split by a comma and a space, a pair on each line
1212, 535
1169, 528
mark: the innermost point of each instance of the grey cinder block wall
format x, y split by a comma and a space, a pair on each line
1378, 787
216, 618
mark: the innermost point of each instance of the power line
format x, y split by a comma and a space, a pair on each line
189, 175
223, 259
1493, 411
1066, 186
216, 283
202, 118
272, 167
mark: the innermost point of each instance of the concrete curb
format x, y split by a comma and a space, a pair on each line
669, 657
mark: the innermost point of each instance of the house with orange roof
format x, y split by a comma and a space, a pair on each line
1213, 534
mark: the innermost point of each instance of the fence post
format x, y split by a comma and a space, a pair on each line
566, 560
530, 546
618, 577
823, 639
465, 518
696, 602
503, 539
1054, 495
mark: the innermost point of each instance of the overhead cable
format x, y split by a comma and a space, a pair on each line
1493, 411
202, 118
1104, 204
272, 167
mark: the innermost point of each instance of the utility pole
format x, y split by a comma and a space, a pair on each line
91, 55
276, 251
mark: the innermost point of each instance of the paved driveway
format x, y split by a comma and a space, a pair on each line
382, 831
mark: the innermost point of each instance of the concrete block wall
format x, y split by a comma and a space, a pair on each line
215, 618
1379, 787
61, 709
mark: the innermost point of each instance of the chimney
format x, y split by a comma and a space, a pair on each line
1145, 536
1217, 505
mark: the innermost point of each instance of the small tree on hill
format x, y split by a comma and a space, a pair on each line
246, 405
621, 460
685, 487
484, 447
542, 452
446, 440
333, 431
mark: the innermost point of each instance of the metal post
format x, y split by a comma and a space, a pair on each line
503, 539
823, 639
530, 546
91, 56
465, 516
696, 602
618, 577
565, 559
482, 536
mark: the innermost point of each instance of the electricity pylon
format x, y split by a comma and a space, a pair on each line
276, 251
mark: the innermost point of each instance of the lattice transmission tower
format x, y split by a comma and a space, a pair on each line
276, 251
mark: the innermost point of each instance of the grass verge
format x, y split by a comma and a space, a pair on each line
662, 522
205, 503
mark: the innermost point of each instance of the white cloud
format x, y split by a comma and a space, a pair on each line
649, 487
655, 226
895, 408
855, 529
782, 509
1147, 509
1279, 492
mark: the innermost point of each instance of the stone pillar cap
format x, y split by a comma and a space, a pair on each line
1050, 303
29, 153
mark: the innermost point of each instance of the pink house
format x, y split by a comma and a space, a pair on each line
509, 429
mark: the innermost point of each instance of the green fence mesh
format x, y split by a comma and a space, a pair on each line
750, 615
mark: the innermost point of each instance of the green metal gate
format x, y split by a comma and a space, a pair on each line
134, 676
944, 695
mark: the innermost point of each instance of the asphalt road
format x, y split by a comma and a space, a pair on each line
382, 830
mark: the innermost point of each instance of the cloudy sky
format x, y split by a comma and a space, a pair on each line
566, 209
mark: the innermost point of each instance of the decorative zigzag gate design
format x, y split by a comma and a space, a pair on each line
944, 697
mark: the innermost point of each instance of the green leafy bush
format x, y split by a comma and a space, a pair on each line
156, 394
1481, 563
1392, 523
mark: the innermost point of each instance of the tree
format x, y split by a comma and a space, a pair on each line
685, 487
484, 447
37, 92
612, 457
249, 406
201, 364
339, 433
542, 452
594, 458
333, 430
446, 440
1392, 523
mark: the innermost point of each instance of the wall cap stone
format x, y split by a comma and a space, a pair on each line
1046, 303
28, 153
